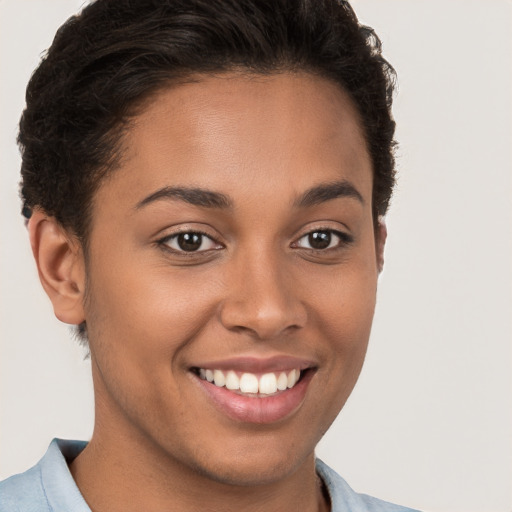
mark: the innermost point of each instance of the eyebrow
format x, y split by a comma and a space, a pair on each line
191, 195
326, 192
210, 199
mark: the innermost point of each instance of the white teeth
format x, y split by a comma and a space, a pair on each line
248, 383
218, 378
232, 380
282, 381
266, 384
292, 378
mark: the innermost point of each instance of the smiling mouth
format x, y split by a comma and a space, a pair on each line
251, 384
256, 391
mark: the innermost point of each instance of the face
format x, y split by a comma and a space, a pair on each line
235, 243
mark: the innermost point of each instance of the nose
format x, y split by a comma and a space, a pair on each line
262, 299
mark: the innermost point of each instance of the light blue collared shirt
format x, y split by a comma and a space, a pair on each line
49, 487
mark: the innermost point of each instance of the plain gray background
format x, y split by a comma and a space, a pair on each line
429, 424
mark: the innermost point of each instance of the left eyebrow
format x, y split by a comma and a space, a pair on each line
326, 192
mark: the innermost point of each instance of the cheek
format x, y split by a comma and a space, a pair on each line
146, 313
140, 323
347, 324
341, 309
343, 322
343, 301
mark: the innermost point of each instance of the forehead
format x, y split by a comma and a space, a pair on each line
234, 131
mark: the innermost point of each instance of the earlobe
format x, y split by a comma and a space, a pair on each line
59, 260
381, 234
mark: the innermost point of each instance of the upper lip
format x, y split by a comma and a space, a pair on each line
252, 364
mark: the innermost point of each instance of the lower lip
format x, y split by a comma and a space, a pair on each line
266, 409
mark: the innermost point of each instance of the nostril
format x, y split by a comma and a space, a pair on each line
260, 324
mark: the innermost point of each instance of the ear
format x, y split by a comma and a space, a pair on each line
381, 233
59, 259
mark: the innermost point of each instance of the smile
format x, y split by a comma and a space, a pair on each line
249, 390
251, 384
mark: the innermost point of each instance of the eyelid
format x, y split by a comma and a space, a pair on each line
344, 238
164, 241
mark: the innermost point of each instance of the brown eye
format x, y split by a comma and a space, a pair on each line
319, 239
323, 239
190, 241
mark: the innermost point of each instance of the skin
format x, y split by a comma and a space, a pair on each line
258, 289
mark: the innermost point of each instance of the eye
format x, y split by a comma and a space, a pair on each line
323, 239
190, 241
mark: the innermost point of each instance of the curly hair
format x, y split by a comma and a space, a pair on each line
105, 61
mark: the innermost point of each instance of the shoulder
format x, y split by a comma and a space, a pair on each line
46, 487
344, 498
23, 492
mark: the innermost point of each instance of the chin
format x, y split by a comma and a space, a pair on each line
244, 471
254, 461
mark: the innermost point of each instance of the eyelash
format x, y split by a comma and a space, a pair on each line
164, 242
344, 240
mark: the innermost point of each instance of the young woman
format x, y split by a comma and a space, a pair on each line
204, 184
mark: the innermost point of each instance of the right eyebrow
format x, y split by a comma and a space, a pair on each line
192, 195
